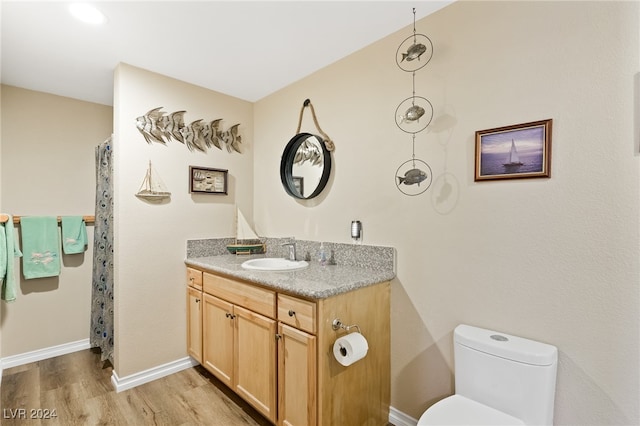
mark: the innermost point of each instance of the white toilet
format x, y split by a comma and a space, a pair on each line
500, 380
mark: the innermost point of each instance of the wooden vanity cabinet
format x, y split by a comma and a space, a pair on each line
275, 350
194, 314
239, 345
218, 338
297, 377
297, 361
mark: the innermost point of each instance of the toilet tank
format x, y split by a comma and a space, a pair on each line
514, 375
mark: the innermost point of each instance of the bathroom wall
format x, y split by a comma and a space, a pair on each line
550, 259
150, 248
47, 168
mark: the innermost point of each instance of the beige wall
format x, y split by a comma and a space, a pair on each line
47, 168
550, 259
150, 306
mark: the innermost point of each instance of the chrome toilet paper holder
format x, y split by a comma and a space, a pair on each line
337, 324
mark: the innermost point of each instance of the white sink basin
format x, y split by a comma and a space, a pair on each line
274, 264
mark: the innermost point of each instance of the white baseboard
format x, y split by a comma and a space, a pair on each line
123, 383
398, 418
40, 354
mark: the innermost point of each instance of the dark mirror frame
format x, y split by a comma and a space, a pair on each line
286, 166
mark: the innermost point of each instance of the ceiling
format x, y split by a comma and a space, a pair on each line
246, 49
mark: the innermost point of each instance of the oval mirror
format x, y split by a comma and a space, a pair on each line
305, 166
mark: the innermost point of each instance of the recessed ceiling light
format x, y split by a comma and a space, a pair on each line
87, 13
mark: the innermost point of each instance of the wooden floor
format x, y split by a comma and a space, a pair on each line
77, 389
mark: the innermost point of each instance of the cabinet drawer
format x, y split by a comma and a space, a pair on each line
194, 278
248, 296
297, 313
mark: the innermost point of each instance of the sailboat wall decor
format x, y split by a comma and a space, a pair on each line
152, 188
514, 152
246, 241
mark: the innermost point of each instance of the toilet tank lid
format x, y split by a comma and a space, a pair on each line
506, 346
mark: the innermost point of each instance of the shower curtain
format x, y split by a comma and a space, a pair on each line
102, 288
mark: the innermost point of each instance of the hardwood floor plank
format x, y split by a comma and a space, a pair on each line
78, 387
67, 400
22, 389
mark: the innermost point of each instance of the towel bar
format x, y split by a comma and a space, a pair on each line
16, 219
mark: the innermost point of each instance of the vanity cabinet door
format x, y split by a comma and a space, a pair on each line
218, 331
255, 369
194, 323
297, 399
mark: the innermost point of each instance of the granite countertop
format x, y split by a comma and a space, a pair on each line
315, 281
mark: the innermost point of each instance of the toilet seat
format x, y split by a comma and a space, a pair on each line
458, 410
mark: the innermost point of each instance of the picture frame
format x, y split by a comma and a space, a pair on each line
298, 183
514, 152
206, 180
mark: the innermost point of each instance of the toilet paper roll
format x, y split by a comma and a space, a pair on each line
350, 348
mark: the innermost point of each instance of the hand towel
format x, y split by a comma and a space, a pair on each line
41, 247
74, 234
8, 251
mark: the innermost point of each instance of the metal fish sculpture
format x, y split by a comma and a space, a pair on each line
414, 52
412, 177
158, 126
412, 114
170, 125
210, 134
148, 126
192, 136
308, 151
232, 139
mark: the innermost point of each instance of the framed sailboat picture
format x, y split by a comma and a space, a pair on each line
207, 181
513, 152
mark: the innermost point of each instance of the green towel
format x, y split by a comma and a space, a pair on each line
41, 247
74, 234
8, 251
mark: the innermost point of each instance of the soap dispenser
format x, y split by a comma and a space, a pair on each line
323, 255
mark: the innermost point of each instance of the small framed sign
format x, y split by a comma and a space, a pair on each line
207, 181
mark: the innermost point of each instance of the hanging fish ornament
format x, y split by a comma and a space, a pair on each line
412, 177
414, 52
412, 114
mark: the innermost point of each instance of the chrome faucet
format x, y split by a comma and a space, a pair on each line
292, 249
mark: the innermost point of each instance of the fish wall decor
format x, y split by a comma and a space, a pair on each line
199, 135
415, 113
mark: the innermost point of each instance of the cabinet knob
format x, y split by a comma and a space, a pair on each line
292, 313
278, 336
197, 300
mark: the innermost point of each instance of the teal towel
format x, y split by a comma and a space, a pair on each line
41, 247
74, 234
8, 251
